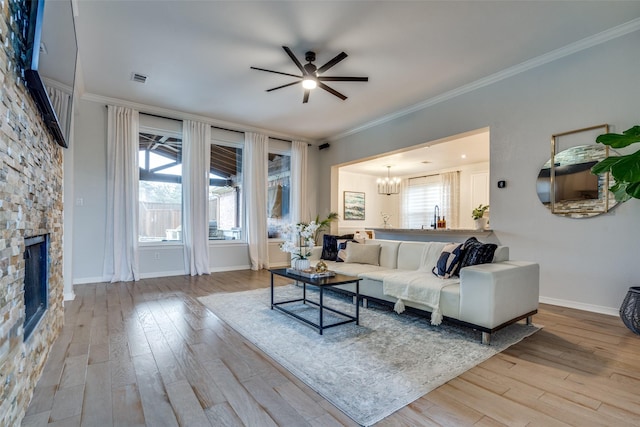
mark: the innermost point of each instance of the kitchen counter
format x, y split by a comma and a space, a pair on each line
431, 235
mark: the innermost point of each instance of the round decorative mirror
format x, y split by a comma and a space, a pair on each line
565, 183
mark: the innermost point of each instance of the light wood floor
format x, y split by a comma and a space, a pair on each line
148, 353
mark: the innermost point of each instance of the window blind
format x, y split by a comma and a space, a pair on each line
422, 195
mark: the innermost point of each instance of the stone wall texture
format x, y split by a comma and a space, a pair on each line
30, 205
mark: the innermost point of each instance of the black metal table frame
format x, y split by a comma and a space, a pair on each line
320, 326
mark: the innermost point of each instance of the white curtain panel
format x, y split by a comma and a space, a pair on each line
121, 247
196, 155
451, 198
406, 204
256, 175
299, 176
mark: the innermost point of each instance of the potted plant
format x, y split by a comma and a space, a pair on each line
625, 170
299, 247
478, 216
324, 224
303, 237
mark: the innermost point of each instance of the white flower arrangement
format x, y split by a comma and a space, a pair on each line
385, 217
302, 239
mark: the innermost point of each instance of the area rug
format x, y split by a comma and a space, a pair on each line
367, 371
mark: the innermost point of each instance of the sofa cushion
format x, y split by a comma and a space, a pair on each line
330, 246
363, 254
501, 254
410, 255
431, 255
388, 252
447, 264
353, 269
476, 252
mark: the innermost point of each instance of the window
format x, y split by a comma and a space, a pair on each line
160, 188
420, 199
278, 192
225, 192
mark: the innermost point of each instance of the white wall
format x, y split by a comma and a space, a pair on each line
587, 263
90, 191
374, 203
392, 204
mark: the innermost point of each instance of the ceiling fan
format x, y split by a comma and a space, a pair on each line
311, 75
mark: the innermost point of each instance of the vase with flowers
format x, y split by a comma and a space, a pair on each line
385, 219
301, 241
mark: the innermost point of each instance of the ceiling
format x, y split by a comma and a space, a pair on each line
436, 156
197, 54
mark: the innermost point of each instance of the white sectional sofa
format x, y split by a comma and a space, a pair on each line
486, 297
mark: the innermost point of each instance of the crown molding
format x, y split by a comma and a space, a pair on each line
179, 115
570, 49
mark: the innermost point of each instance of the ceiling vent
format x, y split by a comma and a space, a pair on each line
139, 78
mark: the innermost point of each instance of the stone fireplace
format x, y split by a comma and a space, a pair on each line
30, 205
35, 282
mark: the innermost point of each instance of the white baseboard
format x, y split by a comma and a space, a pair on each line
155, 274
232, 268
611, 311
85, 280
279, 265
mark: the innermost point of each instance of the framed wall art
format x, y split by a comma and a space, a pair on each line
353, 205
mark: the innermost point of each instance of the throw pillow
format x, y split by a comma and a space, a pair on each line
342, 249
476, 252
330, 246
363, 254
448, 262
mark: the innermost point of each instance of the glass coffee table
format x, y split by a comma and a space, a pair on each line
321, 284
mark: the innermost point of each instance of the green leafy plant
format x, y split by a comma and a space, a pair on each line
478, 212
625, 170
324, 224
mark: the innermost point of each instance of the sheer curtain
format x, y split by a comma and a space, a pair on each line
257, 150
196, 155
121, 243
451, 198
299, 204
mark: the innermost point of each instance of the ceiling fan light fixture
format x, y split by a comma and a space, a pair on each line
309, 83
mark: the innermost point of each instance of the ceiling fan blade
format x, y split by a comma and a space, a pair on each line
331, 91
280, 87
343, 79
339, 57
295, 60
275, 72
305, 98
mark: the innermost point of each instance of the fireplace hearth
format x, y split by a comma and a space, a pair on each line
35, 282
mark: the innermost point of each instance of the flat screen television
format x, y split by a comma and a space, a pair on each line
50, 63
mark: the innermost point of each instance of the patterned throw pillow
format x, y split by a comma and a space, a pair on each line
342, 249
475, 252
447, 264
330, 246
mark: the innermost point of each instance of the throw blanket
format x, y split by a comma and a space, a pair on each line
418, 287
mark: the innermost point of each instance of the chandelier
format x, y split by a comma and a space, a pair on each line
388, 185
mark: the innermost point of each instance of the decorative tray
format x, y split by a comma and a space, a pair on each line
311, 274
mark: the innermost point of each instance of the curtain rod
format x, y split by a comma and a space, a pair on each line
217, 127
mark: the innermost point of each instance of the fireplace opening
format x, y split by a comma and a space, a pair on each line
35, 282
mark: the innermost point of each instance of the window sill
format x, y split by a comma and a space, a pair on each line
160, 244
